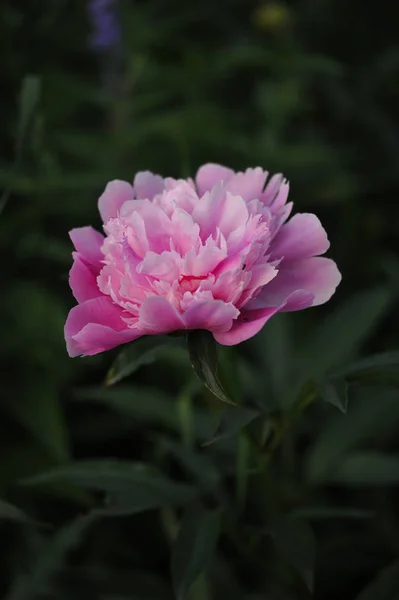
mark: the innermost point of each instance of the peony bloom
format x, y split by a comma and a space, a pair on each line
215, 254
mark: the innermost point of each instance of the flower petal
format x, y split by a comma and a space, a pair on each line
276, 192
209, 175
157, 315
147, 185
96, 326
88, 242
248, 185
318, 276
302, 237
82, 280
213, 315
116, 193
243, 330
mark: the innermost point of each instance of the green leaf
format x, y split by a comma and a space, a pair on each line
131, 487
342, 334
294, 540
42, 415
242, 469
9, 512
196, 464
29, 99
30, 91
335, 393
384, 587
194, 547
232, 420
373, 411
203, 355
143, 351
384, 360
274, 345
367, 468
147, 405
316, 513
50, 559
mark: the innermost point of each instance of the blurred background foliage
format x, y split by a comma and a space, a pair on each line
305, 498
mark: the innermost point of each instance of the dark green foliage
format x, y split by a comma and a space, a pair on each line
128, 499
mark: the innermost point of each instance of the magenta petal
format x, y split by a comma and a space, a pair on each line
157, 315
213, 315
112, 199
209, 175
298, 301
88, 242
243, 330
82, 280
147, 185
95, 338
96, 326
302, 237
319, 276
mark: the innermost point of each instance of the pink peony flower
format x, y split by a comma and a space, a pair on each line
215, 254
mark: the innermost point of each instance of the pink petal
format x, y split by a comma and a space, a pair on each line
208, 210
248, 185
233, 214
88, 242
276, 192
157, 315
261, 275
209, 175
213, 315
147, 185
318, 276
302, 237
243, 330
114, 196
96, 326
162, 266
205, 260
298, 301
82, 280
157, 225
181, 194
95, 338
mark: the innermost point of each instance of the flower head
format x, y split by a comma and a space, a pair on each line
105, 23
215, 254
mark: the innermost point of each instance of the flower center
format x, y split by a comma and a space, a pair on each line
190, 283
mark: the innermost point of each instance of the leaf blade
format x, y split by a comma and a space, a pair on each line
193, 548
143, 351
131, 487
384, 587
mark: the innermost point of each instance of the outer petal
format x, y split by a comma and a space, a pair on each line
114, 196
298, 301
96, 326
88, 242
82, 280
276, 192
209, 175
147, 185
302, 237
318, 276
157, 315
213, 315
243, 330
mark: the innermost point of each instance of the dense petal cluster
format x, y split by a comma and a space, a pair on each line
216, 253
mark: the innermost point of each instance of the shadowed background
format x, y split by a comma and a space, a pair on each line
308, 88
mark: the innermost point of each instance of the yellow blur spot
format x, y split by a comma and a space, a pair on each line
271, 16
